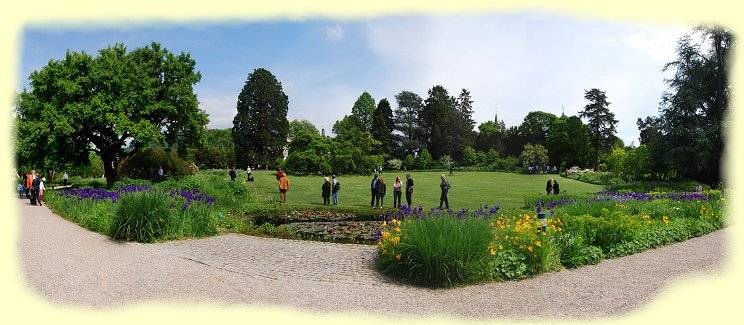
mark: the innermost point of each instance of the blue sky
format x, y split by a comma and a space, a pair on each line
511, 63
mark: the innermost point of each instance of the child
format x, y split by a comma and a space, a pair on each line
21, 189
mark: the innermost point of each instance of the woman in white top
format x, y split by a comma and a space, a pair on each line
397, 191
41, 189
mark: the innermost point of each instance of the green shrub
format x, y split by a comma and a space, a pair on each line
141, 216
145, 165
575, 252
509, 265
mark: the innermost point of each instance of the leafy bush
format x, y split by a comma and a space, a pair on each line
145, 165
510, 265
141, 216
575, 252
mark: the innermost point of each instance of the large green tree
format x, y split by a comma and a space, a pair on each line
435, 116
407, 124
382, 127
301, 126
260, 128
601, 122
535, 126
218, 151
115, 104
363, 109
693, 111
568, 142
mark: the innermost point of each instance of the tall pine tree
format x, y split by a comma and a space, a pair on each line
407, 124
382, 127
260, 128
601, 122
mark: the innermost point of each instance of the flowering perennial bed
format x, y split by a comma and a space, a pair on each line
444, 248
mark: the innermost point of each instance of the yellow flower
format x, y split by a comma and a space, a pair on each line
665, 219
384, 224
501, 247
493, 252
530, 248
538, 244
397, 256
397, 229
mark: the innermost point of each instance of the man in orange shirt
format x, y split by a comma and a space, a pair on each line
283, 186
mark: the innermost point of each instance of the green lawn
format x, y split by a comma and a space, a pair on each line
469, 189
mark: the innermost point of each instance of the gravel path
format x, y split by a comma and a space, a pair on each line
69, 265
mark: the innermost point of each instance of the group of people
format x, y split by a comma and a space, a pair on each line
552, 186
32, 187
234, 175
330, 189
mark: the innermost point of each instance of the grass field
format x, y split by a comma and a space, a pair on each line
469, 189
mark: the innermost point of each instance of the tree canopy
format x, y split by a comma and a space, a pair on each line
601, 122
115, 104
260, 127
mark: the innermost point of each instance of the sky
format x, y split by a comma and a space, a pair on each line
512, 63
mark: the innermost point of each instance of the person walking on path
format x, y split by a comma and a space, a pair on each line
160, 174
373, 188
381, 189
283, 186
444, 186
35, 191
326, 191
336, 185
549, 186
29, 183
397, 192
232, 173
556, 188
64, 179
21, 189
42, 188
409, 189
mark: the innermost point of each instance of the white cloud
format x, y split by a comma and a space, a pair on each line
334, 33
221, 110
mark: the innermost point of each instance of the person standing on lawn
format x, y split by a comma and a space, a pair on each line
232, 173
373, 187
556, 188
326, 191
336, 185
283, 186
409, 189
444, 186
381, 189
64, 179
549, 186
397, 186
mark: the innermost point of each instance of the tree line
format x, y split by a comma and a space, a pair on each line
116, 105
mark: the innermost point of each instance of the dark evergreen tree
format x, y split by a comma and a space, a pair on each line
693, 110
601, 122
382, 127
435, 118
408, 128
260, 128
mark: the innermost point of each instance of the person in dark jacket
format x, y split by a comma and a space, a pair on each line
444, 186
233, 175
409, 189
326, 192
381, 189
549, 186
373, 187
556, 188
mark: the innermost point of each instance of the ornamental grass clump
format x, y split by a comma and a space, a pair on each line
141, 216
438, 251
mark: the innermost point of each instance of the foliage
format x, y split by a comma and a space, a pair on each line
491, 135
363, 109
535, 155
424, 160
601, 122
382, 127
409, 162
119, 102
409, 133
260, 127
301, 126
218, 152
568, 142
141, 217
145, 164
535, 126
692, 117
395, 163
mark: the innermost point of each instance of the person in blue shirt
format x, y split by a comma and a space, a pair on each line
374, 191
